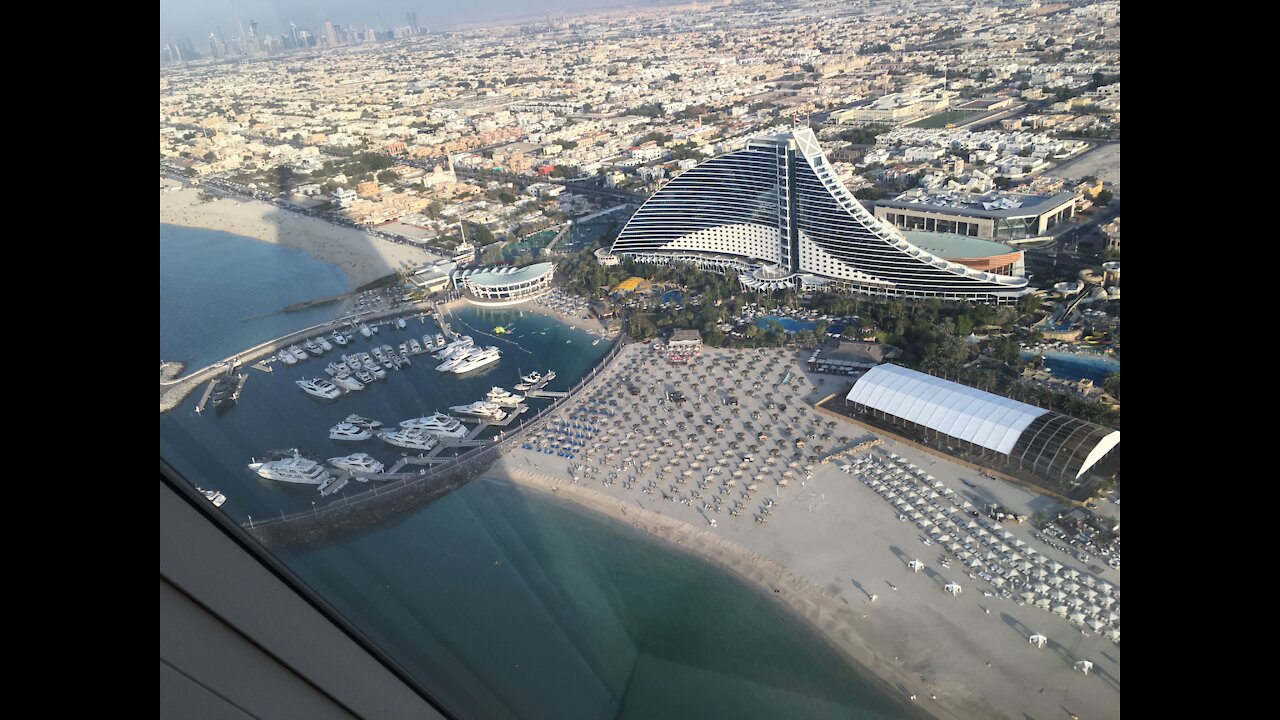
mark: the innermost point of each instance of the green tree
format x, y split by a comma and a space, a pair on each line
387, 176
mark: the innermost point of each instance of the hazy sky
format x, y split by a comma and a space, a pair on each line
198, 18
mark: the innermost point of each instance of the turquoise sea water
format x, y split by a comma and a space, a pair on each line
1078, 366
221, 293
503, 602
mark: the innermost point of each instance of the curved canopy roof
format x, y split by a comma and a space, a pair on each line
503, 276
972, 415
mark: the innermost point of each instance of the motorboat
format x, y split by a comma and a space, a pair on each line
223, 388
463, 343
364, 376
296, 469
498, 396
482, 409
324, 343
412, 438
213, 496
453, 362
365, 331
320, 388
298, 353
377, 371
532, 378
363, 422
287, 358
346, 382
349, 431
339, 338
312, 347
414, 347
400, 323
357, 462
438, 424
479, 359
439, 340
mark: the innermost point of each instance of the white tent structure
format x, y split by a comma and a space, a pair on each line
1039, 640
915, 565
1084, 666
1114, 635
953, 588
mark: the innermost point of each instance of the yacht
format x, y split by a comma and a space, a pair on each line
377, 354
363, 422
411, 438
479, 359
438, 424
365, 331
453, 362
501, 397
324, 343
400, 323
333, 485
482, 409
352, 362
223, 389
524, 387
287, 358
349, 431
387, 351
463, 343
377, 371
296, 469
532, 378
213, 496
357, 462
364, 376
298, 353
339, 338
346, 382
439, 340
414, 347
551, 375
335, 369
404, 348
312, 347
320, 388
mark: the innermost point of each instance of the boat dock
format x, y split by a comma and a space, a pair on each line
546, 394
244, 378
205, 397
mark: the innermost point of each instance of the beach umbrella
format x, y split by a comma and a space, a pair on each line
1058, 595
1025, 565
1060, 610
1114, 635
1092, 610
1006, 534
1029, 596
1071, 587
1096, 624
1090, 581
1105, 587
1107, 600
1075, 602
1055, 566
1111, 616
1040, 588
1038, 640
1043, 603
1019, 542
1091, 593
1072, 573
1076, 617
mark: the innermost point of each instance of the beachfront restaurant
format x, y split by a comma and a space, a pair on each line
497, 286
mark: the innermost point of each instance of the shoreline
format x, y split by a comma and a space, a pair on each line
361, 257
826, 615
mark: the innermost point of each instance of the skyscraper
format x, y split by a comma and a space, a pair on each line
330, 33
775, 213
413, 22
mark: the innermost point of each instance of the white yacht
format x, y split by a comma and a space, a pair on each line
438, 424
312, 347
439, 340
320, 388
532, 378
365, 331
363, 422
463, 343
324, 343
400, 323
349, 431
358, 462
404, 348
365, 376
411, 438
346, 382
453, 362
414, 347
296, 469
298, 353
501, 397
287, 358
213, 496
339, 338
377, 371
481, 408
479, 359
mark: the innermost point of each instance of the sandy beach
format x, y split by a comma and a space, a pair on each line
360, 256
832, 543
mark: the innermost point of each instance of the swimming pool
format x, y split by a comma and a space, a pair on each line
1077, 366
787, 324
